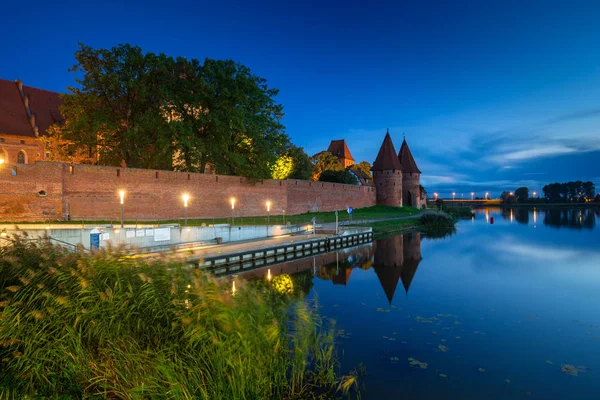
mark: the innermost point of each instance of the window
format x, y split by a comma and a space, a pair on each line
21, 157
47, 155
71, 169
47, 145
42, 193
1, 140
118, 172
22, 141
156, 174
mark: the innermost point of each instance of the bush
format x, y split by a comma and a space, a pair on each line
438, 224
343, 176
108, 325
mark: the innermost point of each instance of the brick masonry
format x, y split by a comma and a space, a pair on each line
53, 191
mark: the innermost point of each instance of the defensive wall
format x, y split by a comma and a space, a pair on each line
54, 191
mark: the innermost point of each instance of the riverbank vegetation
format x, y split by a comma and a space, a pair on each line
74, 325
438, 224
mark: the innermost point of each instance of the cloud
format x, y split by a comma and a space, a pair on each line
583, 114
534, 152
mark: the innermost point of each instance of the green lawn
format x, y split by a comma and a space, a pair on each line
375, 212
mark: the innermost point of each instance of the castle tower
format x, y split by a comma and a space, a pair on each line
387, 175
339, 148
411, 178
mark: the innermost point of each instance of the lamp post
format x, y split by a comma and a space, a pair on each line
486, 195
436, 196
122, 200
453, 195
268, 213
1, 160
472, 194
185, 198
232, 211
534, 193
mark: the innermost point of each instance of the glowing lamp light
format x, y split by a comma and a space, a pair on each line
122, 196
268, 206
268, 274
186, 198
233, 290
232, 203
1, 161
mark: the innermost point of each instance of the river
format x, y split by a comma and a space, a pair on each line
502, 310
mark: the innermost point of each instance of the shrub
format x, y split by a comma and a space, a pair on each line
438, 224
108, 325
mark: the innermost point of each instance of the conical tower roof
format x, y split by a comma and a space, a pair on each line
407, 160
386, 158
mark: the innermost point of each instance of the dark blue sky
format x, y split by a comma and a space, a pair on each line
490, 95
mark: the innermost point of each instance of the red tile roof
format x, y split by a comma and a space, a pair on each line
407, 160
13, 117
386, 158
339, 149
44, 106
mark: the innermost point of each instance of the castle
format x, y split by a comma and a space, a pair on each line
397, 177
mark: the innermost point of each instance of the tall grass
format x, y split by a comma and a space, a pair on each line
108, 326
438, 225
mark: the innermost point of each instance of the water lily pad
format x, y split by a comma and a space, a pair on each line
446, 315
443, 340
442, 348
549, 362
457, 323
443, 375
507, 380
456, 337
481, 369
572, 370
404, 342
414, 363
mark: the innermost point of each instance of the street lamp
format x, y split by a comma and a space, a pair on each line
453, 194
122, 200
534, 193
1, 161
185, 198
486, 195
510, 193
232, 211
268, 212
436, 196
472, 194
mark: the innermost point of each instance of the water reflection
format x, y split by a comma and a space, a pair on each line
556, 217
394, 259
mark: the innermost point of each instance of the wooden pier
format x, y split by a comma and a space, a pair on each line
231, 263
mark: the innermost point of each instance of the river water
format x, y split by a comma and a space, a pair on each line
496, 311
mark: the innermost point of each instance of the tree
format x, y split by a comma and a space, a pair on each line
293, 164
589, 190
522, 194
227, 117
597, 198
152, 111
115, 113
365, 167
343, 176
324, 161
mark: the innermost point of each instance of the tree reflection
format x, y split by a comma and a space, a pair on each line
573, 218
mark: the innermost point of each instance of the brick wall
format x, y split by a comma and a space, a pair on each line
53, 191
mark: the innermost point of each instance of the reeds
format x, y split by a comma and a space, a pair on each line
109, 326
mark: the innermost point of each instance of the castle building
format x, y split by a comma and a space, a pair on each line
411, 178
387, 175
396, 176
26, 113
339, 149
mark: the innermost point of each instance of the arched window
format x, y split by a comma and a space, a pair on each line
21, 157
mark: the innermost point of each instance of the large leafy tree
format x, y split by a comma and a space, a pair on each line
226, 116
115, 111
152, 111
324, 161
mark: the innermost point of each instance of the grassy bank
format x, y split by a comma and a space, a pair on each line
374, 212
434, 224
80, 326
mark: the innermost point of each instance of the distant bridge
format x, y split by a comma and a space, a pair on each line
463, 202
